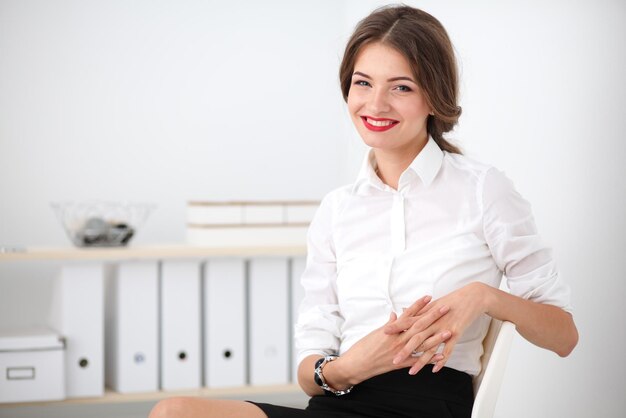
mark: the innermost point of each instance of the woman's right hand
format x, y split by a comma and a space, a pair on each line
374, 354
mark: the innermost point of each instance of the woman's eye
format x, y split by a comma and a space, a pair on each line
361, 83
404, 88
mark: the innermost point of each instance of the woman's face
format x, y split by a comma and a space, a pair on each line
385, 102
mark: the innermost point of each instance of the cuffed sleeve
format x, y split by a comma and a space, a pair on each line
318, 327
511, 234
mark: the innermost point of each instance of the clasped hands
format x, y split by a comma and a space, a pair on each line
421, 329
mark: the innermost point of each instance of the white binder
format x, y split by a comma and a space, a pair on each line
180, 325
131, 327
269, 321
77, 313
225, 322
297, 295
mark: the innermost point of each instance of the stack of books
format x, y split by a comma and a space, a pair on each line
249, 223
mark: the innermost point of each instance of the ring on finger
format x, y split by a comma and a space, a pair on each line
416, 352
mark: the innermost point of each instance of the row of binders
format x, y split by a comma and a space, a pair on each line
142, 326
225, 322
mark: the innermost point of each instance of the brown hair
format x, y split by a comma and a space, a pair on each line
425, 44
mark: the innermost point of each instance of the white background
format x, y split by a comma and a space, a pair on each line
166, 101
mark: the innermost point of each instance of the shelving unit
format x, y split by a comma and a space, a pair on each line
157, 252
114, 397
145, 252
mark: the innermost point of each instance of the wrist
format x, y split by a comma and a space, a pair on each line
337, 374
488, 298
331, 385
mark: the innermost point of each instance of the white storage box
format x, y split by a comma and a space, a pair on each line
31, 366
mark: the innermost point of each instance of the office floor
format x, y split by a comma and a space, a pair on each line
125, 409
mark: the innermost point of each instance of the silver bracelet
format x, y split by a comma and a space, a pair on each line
321, 381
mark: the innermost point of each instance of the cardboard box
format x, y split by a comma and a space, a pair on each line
31, 366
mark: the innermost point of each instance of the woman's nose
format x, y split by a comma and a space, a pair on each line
378, 102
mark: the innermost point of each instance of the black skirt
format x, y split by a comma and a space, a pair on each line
445, 394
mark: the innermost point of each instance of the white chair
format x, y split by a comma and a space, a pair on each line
496, 346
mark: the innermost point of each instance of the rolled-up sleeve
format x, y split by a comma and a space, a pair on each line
516, 246
318, 327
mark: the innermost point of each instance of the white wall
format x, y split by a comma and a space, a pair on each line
159, 101
163, 101
543, 99
166, 101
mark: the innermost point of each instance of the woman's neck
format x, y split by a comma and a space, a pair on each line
392, 163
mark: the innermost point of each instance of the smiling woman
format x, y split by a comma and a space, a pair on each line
420, 46
384, 98
404, 265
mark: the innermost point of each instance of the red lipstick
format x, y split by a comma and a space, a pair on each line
378, 128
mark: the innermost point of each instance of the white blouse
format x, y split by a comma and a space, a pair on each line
452, 221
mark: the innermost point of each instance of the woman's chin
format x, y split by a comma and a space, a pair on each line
377, 140
382, 144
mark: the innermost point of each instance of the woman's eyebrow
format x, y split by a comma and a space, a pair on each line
402, 78
389, 79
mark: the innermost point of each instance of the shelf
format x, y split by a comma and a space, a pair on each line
114, 397
156, 252
145, 252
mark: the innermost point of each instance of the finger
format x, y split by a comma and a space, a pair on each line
425, 321
417, 306
417, 323
400, 325
436, 358
421, 345
438, 365
434, 341
410, 312
393, 317
408, 363
411, 360
423, 310
446, 353
413, 342
422, 360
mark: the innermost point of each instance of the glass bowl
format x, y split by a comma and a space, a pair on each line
101, 224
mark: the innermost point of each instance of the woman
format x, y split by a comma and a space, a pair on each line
404, 265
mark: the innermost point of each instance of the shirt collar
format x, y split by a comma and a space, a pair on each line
428, 162
426, 165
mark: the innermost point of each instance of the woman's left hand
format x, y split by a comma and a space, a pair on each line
465, 306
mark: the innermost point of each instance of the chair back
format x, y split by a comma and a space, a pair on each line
496, 347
